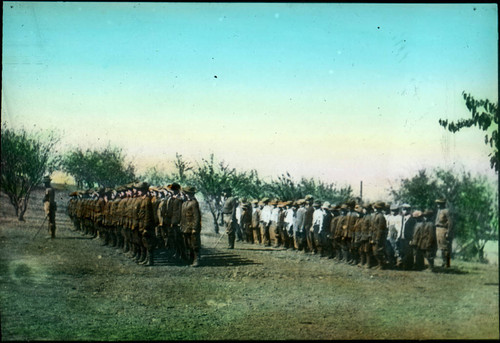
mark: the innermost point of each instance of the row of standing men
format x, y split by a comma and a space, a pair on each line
139, 219
369, 235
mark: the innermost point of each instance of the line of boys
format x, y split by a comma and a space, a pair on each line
138, 219
362, 235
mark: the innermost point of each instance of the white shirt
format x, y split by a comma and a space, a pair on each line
318, 216
289, 218
275, 214
265, 214
238, 214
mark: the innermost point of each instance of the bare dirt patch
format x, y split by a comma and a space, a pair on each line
73, 288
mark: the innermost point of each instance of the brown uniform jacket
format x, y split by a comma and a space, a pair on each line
190, 216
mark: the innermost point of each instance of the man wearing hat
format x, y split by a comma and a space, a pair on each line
379, 235
265, 221
256, 208
173, 219
274, 234
246, 221
50, 206
444, 231
229, 213
308, 223
365, 250
298, 226
405, 236
191, 225
424, 239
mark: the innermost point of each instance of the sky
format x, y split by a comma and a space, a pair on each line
341, 92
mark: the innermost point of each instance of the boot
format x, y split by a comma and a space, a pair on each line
196, 259
149, 259
368, 264
362, 260
448, 261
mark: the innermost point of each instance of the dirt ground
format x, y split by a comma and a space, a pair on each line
73, 288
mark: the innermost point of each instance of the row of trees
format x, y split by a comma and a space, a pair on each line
26, 157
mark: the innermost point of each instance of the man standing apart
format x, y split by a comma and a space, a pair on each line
50, 206
229, 212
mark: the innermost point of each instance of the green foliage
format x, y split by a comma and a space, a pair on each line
472, 201
285, 188
211, 179
25, 158
420, 191
156, 177
105, 168
485, 116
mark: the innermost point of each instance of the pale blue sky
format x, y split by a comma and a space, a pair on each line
343, 92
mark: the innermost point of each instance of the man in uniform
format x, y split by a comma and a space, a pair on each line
191, 225
365, 250
50, 206
379, 235
246, 221
173, 220
256, 208
444, 232
424, 239
229, 212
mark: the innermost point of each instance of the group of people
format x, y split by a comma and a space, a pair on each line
367, 235
139, 219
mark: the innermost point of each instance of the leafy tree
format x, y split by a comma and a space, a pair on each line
471, 200
485, 116
156, 177
105, 168
474, 211
25, 158
420, 191
182, 169
212, 179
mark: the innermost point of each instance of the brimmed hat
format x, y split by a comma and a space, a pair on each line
405, 206
379, 204
441, 201
46, 178
174, 186
344, 207
73, 194
281, 204
326, 205
265, 200
317, 203
394, 207
143, 186
300, 202
189, 189
416, 214
358, 208
255, 201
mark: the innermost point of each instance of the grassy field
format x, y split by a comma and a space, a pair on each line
73, 288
